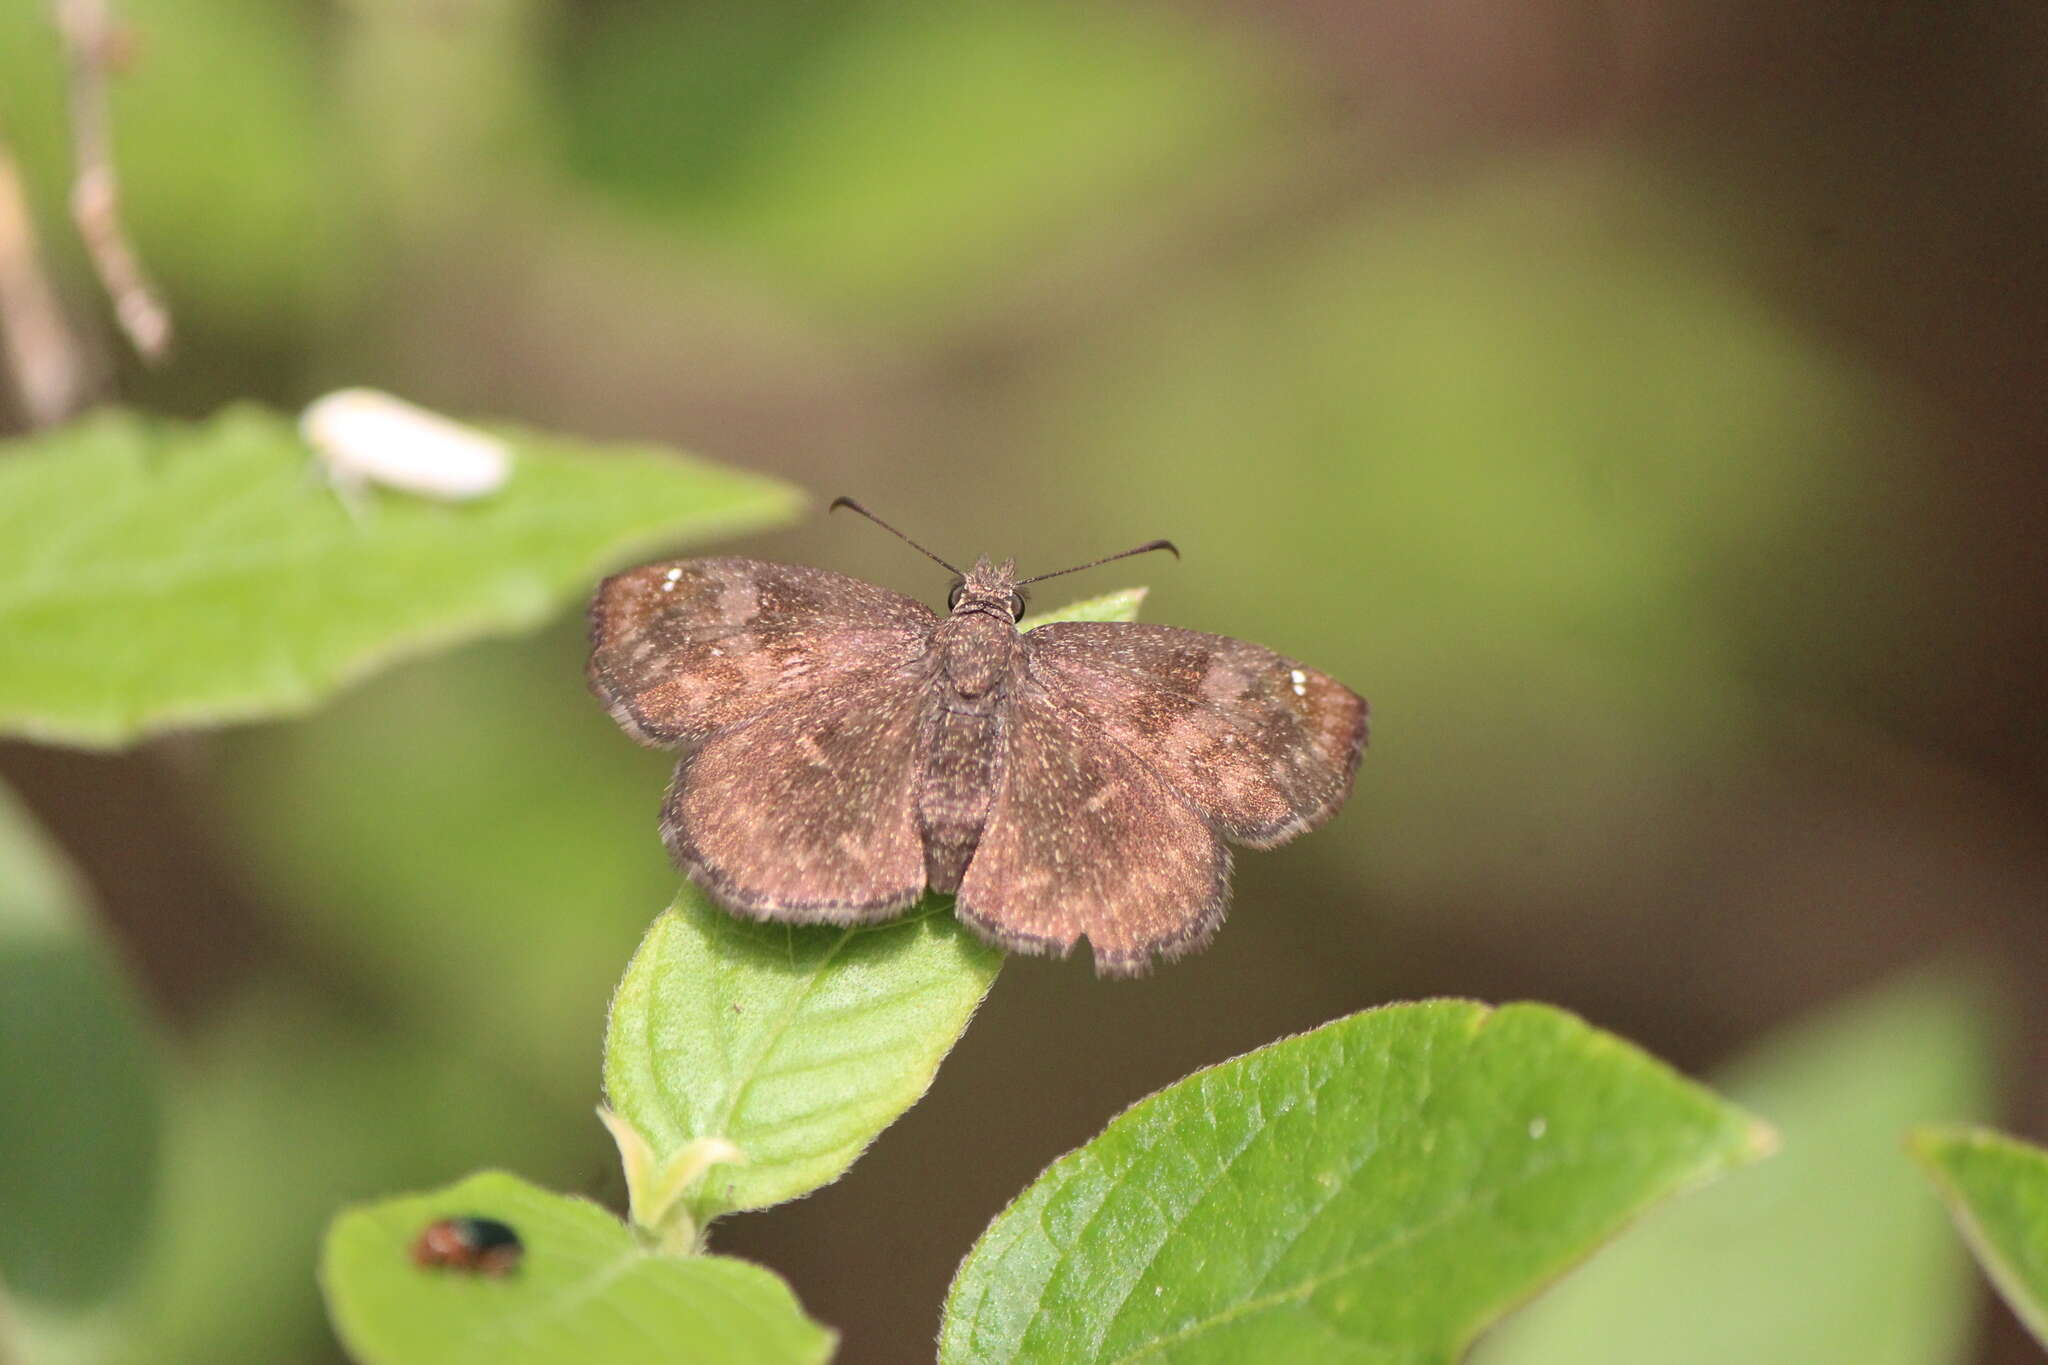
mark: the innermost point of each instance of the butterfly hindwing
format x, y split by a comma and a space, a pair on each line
808, 813
1263, 746
1084, 841
684, 649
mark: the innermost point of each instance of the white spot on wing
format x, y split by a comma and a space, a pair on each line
1300, 681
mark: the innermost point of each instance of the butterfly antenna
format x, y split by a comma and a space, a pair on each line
1146, 548
838, 503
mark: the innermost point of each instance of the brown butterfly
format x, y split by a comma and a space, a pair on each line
845, 748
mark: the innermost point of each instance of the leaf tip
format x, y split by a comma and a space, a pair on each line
1935, 1146
1759, 1140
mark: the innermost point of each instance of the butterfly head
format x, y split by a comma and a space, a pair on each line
994, 589
990, 589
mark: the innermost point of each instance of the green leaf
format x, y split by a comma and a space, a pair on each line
157, 574
1121, 605
1997, 1189
1377, 1190
1834, 1253
584, 1290
80, 1108
795, 1044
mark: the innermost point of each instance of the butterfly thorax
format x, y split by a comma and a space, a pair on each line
978, 644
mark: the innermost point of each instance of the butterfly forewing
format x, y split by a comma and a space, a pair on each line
1262, 745
685, 649
1085, 841
809, 813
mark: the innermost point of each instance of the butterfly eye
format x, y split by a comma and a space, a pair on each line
1016, 606
953, 597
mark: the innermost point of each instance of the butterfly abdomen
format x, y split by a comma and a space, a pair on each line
961, 760
960, 741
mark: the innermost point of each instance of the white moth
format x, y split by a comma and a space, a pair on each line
364, 436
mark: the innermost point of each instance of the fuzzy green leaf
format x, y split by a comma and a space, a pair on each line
585, 1290
156, 574
1834, 1252
795, 1044
1997, 1188
1121, 605
80, 1106
1377, 1190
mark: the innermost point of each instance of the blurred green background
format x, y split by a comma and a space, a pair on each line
1642, 405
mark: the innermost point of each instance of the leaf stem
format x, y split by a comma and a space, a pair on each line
656, 1188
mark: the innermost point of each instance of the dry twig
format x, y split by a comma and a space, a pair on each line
94, 43
42, 356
